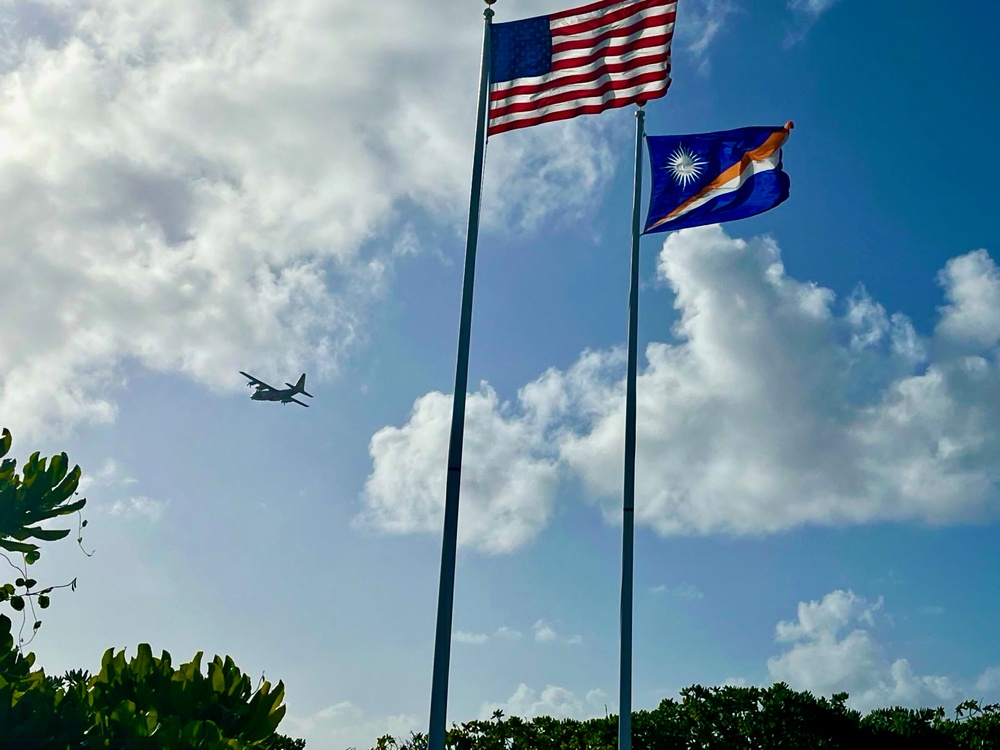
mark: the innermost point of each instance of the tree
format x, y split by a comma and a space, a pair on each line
735, 718
44, 490
143, 702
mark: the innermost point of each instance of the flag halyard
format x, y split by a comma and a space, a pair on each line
580, 61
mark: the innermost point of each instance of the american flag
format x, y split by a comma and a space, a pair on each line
579, 62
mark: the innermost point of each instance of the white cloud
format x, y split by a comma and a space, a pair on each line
596, 697
476, 639
806, 12
344, 725
108, 491
510, 634
811, 7
989, 681
557, 702
138, 507
111, 474
972, 315
772, 411
507, 487
681, 591
545, 633
835, 611
699, 23
834, 649
200, 186
774, 407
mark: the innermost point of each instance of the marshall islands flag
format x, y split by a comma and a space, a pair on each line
709, 178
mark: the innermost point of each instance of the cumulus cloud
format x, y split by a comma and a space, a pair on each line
557, 702
346, 725
138, 507
476, 639
201, 186
833, 648
109, 490
773, 406
508, 486
545, 633
774, 411
972, 316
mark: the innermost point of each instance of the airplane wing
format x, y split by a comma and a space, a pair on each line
293, 401
255, 381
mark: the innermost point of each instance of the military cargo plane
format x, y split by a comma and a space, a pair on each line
265, 392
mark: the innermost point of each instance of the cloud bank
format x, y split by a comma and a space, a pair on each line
773, 406
834, 649
201, 186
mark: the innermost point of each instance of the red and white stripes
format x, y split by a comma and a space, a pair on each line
606, 54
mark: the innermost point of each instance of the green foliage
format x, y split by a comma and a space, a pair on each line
143, 702
34, 712
42, 491
735, 718
144, 696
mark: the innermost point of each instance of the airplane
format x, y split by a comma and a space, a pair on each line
265, 392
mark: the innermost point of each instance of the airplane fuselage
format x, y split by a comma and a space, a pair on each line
263, 394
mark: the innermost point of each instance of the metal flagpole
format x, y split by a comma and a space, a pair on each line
446, 589
628, 505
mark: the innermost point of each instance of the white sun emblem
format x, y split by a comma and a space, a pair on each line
685, 166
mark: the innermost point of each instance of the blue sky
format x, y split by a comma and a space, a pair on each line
195, 188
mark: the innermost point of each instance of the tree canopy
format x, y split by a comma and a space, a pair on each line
143, 702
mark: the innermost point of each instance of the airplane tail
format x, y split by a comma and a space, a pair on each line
300, 385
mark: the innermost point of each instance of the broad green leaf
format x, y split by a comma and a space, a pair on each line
58, 466
217, 677
65, 489
142, 664
48, 535
63, 510
12, 546
5, 441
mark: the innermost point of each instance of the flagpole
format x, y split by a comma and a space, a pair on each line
628, 505
449, 547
